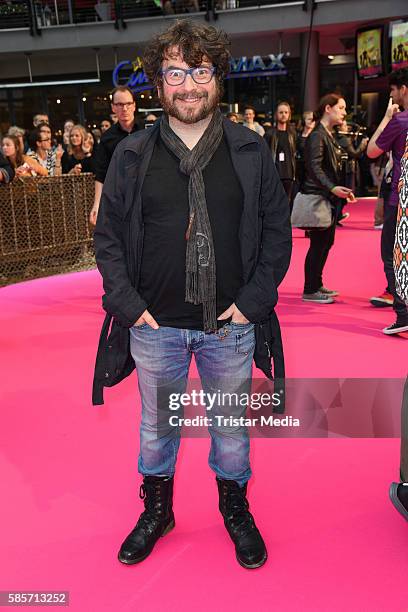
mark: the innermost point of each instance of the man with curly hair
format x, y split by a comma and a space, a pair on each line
192, 240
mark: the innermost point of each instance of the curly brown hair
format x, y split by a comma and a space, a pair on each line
194, 41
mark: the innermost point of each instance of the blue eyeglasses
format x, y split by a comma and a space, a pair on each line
177, 76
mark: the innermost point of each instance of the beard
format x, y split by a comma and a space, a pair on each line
208, 103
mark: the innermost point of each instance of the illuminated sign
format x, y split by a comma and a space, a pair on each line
132, 75
369, 53
399, 45
257, 65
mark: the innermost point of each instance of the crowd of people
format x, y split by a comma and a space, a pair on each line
318, 156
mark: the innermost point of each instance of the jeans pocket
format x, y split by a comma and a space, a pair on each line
244, 338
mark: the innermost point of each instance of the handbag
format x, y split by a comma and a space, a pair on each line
311, 211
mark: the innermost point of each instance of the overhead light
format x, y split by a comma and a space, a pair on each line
58, 101
142, 96
84, 99
330, 57
48, 83
149, 110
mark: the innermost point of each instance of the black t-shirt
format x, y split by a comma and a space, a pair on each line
283, 156
165, 217
106, 147
69, 161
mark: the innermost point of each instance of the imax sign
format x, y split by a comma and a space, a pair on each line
258, 65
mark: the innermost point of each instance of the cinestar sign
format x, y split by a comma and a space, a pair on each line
257, 65
132, 75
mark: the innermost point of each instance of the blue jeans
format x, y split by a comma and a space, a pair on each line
224, 363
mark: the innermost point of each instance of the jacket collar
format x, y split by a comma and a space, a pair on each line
137, 141
237, 137
320, 128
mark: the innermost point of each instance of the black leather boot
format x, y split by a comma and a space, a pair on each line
249, 546
156, 520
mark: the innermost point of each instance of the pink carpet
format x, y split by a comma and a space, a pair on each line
70, 485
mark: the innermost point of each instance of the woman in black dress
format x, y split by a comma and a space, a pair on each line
78, 158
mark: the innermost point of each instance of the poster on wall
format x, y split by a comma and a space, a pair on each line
370, 61
399, 45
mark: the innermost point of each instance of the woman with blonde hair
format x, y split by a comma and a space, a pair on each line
24, 165
78, 157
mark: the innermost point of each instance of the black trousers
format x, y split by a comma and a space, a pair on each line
321, 241
387, 248
288, 185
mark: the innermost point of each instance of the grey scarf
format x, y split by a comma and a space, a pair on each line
200, 256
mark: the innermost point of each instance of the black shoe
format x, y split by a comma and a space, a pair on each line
342, 217
249, 546
399, 497
396, 328
156, 520
382, 301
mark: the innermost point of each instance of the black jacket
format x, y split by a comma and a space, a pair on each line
322, 163
106, 147
271, 137
265, 241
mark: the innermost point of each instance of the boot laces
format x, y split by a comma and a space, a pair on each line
151, 516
